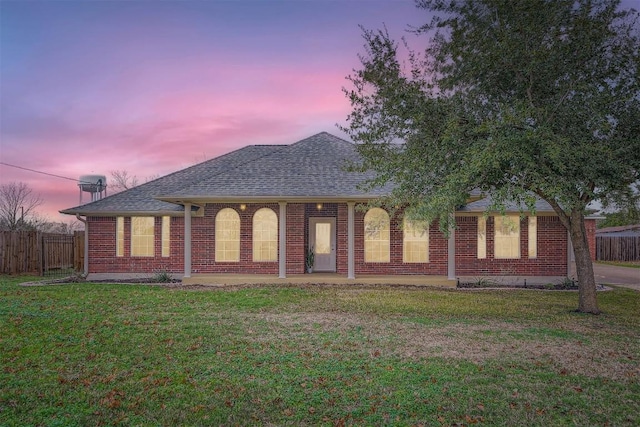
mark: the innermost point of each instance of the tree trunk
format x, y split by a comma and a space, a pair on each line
588, 302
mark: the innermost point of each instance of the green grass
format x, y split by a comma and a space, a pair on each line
96, 354
630, 264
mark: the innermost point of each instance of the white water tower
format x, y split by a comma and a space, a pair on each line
96, 185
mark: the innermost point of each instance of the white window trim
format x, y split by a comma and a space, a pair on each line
482, 237
421, 240
516, 220
219, 240
381, 240
253, 226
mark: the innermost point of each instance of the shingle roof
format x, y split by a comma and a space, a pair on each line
482, 205
312, 167
142, 198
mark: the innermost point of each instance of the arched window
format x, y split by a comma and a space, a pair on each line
415, 244
227, 236
376, 236
265, 235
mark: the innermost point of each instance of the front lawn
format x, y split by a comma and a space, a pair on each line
96, 354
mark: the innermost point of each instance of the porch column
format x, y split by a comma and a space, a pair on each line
451, 252
282, 241
187, 240
351, 265
569, 255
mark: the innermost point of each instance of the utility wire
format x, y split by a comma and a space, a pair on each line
44, 173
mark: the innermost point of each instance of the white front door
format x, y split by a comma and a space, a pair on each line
322, 239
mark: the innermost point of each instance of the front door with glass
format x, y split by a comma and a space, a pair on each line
322, 239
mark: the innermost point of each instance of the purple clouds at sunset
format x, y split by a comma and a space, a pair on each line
153, 87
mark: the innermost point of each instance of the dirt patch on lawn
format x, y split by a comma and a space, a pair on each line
510, 344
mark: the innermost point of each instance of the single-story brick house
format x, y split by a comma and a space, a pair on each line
258, 210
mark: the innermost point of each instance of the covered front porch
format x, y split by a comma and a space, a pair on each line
317, 278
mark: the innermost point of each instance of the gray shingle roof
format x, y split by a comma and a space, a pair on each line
482, 205
312, 167
142, 199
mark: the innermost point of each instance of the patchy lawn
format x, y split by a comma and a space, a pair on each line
96, 354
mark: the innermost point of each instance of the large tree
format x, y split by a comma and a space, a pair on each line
517, 99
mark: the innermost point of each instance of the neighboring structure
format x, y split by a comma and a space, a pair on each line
260, 209
620, 243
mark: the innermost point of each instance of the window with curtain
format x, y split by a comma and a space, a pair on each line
376, 236
120, 236
533, 237
142, 236
265, 235
227, 236
482, 237
415, 243
507, 236
166, 236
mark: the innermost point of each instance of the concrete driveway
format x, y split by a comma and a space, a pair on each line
627, 277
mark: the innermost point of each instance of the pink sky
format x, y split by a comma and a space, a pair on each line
153, 87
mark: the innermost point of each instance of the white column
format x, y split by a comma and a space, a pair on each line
282, 241
351, 265
187, 240
451, 252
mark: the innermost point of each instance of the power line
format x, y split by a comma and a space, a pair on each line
40, 172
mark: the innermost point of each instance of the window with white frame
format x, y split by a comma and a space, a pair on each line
119, 236
142, 236
265, 235
377, 236
482, 237
507, 236
415, 243
166, 236
533, 237
227, 236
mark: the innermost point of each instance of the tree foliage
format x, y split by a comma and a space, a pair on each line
517, 99
18, 207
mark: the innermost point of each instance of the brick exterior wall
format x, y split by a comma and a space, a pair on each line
551, 259
437, 264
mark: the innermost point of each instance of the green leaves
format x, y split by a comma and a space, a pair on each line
510, 97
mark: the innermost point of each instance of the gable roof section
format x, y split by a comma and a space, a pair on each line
310, 168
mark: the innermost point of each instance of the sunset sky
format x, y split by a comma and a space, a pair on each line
151, 87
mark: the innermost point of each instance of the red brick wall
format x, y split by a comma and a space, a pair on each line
102, 248
552, 250
551, 259
437, 264
203, 242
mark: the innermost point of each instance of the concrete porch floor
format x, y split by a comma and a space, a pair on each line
318, 278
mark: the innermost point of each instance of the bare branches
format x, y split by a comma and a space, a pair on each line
18, 206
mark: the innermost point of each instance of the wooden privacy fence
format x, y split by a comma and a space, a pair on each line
45, 254
618, 248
